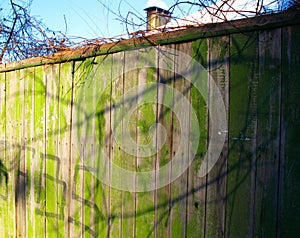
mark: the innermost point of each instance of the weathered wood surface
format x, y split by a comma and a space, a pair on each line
48, 188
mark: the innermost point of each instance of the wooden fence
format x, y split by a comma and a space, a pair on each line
48, 190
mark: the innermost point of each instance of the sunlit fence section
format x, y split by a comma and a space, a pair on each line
193, 133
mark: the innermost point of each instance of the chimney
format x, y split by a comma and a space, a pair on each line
157, 15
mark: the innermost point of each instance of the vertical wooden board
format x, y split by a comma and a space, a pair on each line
2, 106
21, 184
90, 67
3, 172
129, 159
180, 186
177, 225
52, 162
89, 182
268, 133
157, 96
242, 135
12, 157
216, 179
78, 227
197, 185
166, 66
146, 117
116, 151
106, 73
29, 150
20, 196
7, 151
39, 145
65, 171
288, 224
102, 123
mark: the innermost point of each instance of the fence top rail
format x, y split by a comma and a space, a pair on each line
263, 22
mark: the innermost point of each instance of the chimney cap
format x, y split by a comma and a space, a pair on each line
149, 9
156, 4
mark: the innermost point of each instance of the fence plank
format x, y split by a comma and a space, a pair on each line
164, 117
21, 182
3, 169
180, 185
116, 151
52, 162
146, 117
242, 135
30, 151
80, 74
39, 145
197, 185
288, 192
268, 133
7, 148
102, 191
129, 161
89, 212
65, 206
13, 152
107, 139
216, 179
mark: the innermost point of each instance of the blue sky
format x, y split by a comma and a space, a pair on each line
90, 18
87, 18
